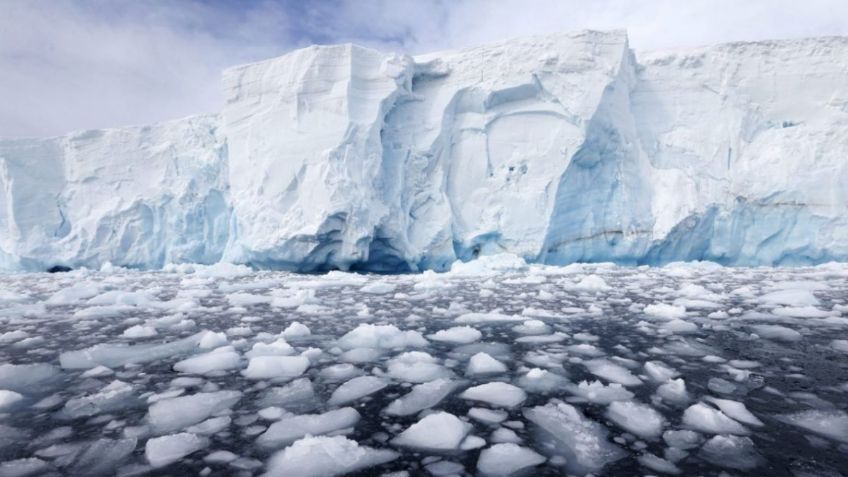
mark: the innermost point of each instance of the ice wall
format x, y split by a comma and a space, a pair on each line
559, 148
139, 197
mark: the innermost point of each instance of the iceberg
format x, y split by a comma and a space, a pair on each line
555, 149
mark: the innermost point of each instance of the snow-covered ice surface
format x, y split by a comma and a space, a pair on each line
426, 373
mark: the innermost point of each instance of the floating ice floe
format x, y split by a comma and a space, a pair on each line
416, 367
832, 424
440, 431
291, 428
483, 363
457, 334
640, 419
276, 367
357, 388
161, 451
325, 457
564, 431
220, 359
496, 393
169, 415
703, 418
507, 459
381, 336
612, 372
422, 396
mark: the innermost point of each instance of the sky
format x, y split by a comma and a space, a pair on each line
70, 65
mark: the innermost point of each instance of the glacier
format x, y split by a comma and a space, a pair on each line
562, 148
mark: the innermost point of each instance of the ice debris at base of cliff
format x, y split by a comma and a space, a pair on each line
561, 148
273, 373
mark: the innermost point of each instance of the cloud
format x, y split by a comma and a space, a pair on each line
69, 65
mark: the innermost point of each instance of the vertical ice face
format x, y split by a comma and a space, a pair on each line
138, 197
561, 148
474, 161
305, 151
748, 142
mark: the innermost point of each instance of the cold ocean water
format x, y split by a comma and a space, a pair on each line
495, 368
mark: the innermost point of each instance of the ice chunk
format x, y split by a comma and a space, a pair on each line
736, 410
378, 288
440, 431
220, 359
732, 452
276, 348
840, 345
161, 451
496, 393
8, 399
177, 413
659, 372
114, 356
777, 332
139, 331
701, 417
483, 363
597, 393
416, 367
457, 334
30, 466
640, 419
488, 416
610, 371
381, 336
507, 459
325, 457
422, 396
565, 431
488, 265
356, 388
25, 377
296, 330
492, 317
679, 327
298, 394
291, 428
790, 298
532, 327
103, 456
665, 311
114, 396
832, 424
658, 464
276, 367
674, 392
542, 381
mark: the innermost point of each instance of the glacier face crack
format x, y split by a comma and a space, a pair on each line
560, 148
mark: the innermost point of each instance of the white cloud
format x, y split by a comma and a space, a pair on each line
96, 63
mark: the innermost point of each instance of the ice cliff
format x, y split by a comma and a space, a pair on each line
562, 148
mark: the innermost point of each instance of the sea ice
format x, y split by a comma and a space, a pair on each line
325, 457
276, 367
483, 363
457, 334
566, 432
496, 393
507, 459
640, 419
169, 415
291, 428
422, 396
701, 417
161, 451
440, 431
356, 388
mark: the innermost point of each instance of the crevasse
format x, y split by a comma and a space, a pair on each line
560, 148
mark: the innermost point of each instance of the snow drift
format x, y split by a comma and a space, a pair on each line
562, 148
